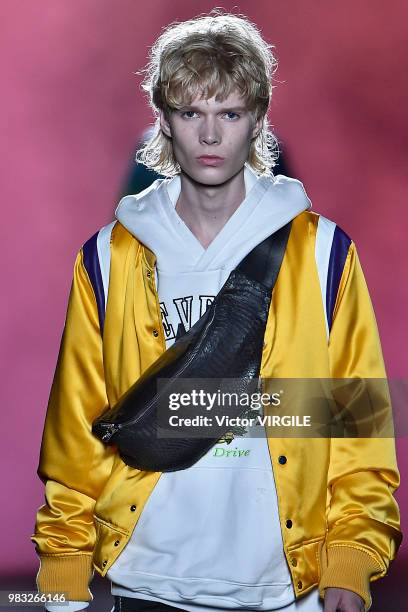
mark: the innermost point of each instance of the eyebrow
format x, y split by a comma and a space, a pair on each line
221, 110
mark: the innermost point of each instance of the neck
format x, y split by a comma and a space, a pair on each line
205, 209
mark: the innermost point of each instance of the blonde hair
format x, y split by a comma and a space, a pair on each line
211, 55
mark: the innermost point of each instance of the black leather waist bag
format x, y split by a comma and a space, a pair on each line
225, 343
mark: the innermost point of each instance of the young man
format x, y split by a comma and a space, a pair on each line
290, 519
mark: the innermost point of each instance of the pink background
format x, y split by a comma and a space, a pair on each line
71, 112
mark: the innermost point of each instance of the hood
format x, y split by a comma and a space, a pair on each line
150, 215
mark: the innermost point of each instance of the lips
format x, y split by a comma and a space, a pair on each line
210, 160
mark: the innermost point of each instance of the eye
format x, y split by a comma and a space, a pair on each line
235, 115
188, 114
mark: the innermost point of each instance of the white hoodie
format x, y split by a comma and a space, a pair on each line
209, 537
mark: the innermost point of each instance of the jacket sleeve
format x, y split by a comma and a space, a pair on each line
363, 533
74, 464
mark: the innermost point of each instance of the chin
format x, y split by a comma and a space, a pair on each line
211, 176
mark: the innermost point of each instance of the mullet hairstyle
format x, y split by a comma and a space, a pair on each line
211, 55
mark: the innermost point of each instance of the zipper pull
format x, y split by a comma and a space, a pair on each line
110, 431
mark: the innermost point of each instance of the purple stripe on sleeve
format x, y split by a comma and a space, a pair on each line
91, 262
339, 249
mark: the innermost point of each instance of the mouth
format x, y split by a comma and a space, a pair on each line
210, 160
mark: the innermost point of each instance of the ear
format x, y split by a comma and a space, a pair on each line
257, 127
164, 124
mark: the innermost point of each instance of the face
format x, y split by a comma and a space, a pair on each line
211, 140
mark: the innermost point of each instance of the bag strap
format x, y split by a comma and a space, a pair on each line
263, 263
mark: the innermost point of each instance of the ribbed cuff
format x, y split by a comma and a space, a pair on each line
349, 568
69, 574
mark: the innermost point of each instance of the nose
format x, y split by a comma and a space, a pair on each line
209, 133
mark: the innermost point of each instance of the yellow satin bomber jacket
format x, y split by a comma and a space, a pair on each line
338, 492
